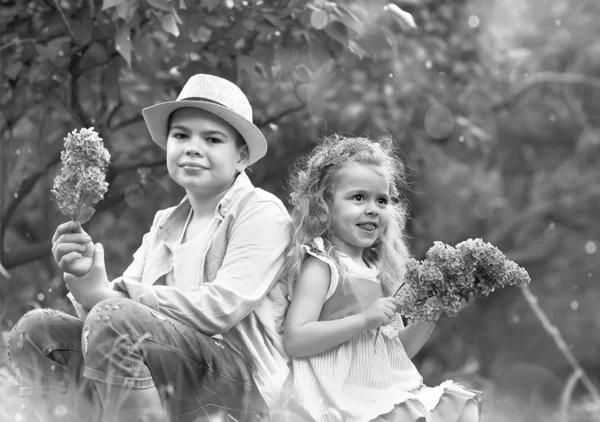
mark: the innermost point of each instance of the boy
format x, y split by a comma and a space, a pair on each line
195, 320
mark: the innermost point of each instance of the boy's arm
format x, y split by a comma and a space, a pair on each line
86, 291
252, 264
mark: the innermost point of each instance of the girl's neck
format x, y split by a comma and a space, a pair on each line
353, 252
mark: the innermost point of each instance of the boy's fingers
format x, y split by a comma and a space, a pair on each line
67, 260
62, 249
74, 238
68, 227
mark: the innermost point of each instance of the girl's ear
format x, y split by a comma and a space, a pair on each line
242, 159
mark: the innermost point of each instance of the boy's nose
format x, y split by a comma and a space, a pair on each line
192, 150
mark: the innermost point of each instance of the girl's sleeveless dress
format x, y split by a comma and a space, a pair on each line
361, 380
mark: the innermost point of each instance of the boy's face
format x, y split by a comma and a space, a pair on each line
203, 152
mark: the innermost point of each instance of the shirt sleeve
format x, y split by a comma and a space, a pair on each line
253, 263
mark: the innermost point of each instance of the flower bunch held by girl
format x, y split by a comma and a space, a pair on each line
348, 259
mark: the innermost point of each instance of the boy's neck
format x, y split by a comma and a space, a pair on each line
204, 206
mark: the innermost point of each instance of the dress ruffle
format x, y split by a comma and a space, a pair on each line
448, 407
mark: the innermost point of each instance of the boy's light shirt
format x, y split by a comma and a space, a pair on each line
240, 294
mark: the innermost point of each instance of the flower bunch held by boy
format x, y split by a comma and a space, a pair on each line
81, 183
451, 274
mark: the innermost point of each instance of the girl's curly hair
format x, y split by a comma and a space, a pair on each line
313, 185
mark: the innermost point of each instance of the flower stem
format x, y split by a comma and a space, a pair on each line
379, 328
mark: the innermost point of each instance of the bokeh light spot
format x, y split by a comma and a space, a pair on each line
473, 21
60, 410
574, 305
590, 247
40, 297
439, 122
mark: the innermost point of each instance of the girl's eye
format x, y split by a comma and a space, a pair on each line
383, 201
358, 197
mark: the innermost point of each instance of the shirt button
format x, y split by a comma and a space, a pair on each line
225, 209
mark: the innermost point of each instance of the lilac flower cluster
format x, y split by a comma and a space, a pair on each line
450, 274
81, 182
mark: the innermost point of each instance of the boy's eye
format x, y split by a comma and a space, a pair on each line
358, 197
212, 140
178, 135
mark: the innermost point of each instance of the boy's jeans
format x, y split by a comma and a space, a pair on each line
129, 345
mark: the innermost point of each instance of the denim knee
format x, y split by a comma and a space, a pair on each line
110, 344
36, 330
41, 347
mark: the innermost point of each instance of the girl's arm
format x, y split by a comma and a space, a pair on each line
304, 335
414, 336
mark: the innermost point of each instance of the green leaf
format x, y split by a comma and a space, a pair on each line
13, 69
210, 4
405, 19
123, 44
107, 4
85, 213
163, 5
199, 34
169, 25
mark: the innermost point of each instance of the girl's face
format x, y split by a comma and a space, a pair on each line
359, 207
203, 152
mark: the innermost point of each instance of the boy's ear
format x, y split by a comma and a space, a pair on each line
243, 159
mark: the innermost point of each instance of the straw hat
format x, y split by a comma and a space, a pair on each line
217, 96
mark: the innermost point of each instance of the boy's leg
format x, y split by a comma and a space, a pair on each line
44, 348
137, 355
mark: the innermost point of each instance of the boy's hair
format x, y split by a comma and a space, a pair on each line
312, 184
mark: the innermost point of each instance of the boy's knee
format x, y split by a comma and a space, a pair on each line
35, 328
110, 321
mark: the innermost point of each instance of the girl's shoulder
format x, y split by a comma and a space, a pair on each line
317, 262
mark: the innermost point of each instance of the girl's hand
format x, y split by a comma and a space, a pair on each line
466, 302
72, 249
380, 312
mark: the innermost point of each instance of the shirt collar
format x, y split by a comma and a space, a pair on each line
170, 227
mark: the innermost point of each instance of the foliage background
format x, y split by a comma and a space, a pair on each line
494, 104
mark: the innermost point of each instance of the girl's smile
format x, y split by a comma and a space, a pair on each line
359, 208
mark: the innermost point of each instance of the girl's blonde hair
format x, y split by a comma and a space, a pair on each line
312, 184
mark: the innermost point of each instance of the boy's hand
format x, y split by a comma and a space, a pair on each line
86, 288
72, 249
380, 312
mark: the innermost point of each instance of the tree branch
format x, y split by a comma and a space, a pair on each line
42, 249
542, 78
554, 332
278, 116
64, 18
27, 185
126, 122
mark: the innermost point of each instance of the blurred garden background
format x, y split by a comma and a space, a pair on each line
495, 105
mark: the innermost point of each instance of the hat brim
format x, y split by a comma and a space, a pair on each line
157, 117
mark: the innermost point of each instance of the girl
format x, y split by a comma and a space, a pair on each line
194, 323
348, 257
